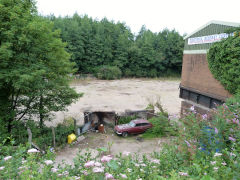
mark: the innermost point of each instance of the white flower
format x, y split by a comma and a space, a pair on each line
33, 150
65, 173
126, 153
157, 161
141, 170
48, 162
7, 158
21, 167
54, 170
217, 154
106, 158
1, 168
213, 162
183, 174
98, 164
215, 168
137, 165
129, 170
144, 165
124, 176
89, 164
232, 154
24, 161
224, 164
97, 169
109, 176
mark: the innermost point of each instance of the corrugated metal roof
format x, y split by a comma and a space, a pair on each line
214, 22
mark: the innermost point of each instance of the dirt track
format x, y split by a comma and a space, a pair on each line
116, 144
121, 95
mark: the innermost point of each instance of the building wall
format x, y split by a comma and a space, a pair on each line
197, 76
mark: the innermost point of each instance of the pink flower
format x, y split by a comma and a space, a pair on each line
33, 150
143, 165
232, 139
85, 172
106, 158
54, 170
237, 122
126, 153
48, 162
224, 164
7, 158
183, 174
234, 120
97, 169
98, 164
124, 176
188, 144
213, 162
215, 168
136, 164
216, 130
1, 168
109, 176
204, 116
156, 161
89, 164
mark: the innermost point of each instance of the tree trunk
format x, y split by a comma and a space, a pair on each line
41, 115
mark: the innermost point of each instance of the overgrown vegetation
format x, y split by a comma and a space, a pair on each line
108, 72
126, 119
190, 156
223, 60
95, 43
162, 126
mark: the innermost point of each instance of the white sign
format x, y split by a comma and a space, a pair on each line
207, 39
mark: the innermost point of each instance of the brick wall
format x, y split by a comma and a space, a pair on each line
196, 75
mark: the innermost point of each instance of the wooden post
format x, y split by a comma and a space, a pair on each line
29, 136
54, 138
75, 126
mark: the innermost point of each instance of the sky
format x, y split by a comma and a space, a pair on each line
185, 16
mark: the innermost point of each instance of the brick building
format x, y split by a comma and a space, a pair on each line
198, 86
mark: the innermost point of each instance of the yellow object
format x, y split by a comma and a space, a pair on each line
72, 137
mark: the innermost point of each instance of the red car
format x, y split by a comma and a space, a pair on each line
136, 126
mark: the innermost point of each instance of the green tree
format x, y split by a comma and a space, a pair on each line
34, 66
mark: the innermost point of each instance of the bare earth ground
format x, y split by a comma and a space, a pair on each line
121, 95
118, 95
116, 143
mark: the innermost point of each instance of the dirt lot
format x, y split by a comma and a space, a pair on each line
118, 95
117, 144
121, 95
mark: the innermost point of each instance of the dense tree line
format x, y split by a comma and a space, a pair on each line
93, 43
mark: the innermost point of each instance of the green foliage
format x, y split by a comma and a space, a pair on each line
161, 127
182, 158
126, 119
34, 66
223, 60
108, 72
96, 43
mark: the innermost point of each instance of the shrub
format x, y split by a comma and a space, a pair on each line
126, 119
108, 72
224, 62
161, 127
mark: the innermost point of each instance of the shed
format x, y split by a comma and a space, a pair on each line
198, 86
